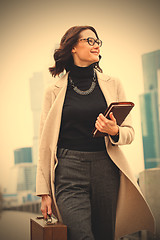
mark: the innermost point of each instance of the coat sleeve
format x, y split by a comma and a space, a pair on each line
126, 131
42, 180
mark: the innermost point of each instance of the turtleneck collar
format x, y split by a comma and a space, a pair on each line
77, 72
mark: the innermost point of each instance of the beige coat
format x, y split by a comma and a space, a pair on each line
133, 213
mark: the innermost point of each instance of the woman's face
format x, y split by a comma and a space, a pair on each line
83, 53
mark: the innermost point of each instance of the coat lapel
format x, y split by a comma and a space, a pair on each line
56, 111
106, 85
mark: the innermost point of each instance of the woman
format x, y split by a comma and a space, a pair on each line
85, 180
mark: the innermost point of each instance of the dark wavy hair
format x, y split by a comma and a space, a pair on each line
62, 56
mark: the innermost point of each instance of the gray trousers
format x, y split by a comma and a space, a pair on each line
87, 185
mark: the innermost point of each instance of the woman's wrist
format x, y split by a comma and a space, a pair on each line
116, 133
116, 136
45, 195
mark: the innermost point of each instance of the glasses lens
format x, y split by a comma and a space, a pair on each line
91, 41
99, 42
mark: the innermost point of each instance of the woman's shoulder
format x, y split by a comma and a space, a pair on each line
55, 82
106, 77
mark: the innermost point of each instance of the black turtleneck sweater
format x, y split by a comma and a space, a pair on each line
80, 113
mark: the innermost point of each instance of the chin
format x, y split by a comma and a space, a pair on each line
96, 60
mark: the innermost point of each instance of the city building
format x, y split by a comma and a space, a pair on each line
25, 170
23, 155
150, 109
22, 182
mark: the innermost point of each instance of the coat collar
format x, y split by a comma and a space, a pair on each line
61, 82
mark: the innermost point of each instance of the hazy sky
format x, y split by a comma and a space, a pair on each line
29, 32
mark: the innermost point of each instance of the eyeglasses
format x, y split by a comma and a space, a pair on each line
91, 41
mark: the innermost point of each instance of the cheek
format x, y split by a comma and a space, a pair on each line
85, 54
91, 55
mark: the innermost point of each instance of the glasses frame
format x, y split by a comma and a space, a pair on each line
98, 41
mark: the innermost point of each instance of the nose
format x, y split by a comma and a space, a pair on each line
96, 45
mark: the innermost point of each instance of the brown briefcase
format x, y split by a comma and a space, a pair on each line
39, 230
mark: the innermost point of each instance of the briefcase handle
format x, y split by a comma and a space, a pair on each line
51, 219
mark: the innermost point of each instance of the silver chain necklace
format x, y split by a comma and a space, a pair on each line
87, 92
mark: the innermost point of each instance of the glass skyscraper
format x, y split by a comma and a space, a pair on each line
25, 170
23, 155
149, 106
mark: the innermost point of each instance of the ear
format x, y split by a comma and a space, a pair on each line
73, 50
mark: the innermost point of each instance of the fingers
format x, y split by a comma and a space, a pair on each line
112, 117
105, 125
101, 123
49, 210
46, 204
102, 117
44, 212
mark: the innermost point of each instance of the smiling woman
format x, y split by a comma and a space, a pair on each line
87, 180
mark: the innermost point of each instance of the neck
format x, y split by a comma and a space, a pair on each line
82, 73
82, 65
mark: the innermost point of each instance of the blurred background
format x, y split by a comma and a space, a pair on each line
30, 31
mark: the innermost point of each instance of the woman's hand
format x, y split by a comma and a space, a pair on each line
107, 126
46, 203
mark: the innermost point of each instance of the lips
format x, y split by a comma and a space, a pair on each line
95, 52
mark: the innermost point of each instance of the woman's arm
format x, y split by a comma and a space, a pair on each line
42, 182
